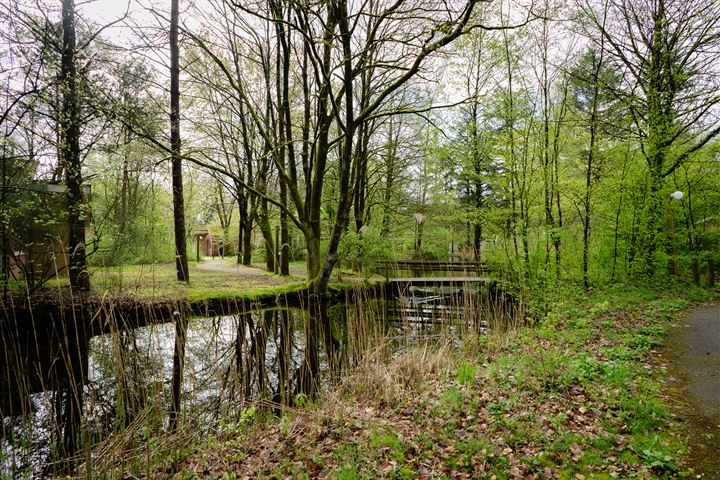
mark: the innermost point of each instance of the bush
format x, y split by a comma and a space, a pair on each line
359, 250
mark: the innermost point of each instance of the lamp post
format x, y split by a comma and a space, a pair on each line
676, 195
419, 218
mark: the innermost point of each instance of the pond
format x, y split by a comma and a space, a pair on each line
68, 396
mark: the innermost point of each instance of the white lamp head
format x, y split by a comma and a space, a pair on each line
677, 195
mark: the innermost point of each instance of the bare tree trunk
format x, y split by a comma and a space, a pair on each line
181, 260
247, 241
263, 222
389, 174
346, 151
510, 125
243, 219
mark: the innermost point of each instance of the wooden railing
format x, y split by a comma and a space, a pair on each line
422, 267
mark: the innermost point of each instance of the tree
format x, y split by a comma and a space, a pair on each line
70, 151
181, 260
591, 82
472, 163
553, 110
20, 79
53, 119
123, 189
666, 50
335, 44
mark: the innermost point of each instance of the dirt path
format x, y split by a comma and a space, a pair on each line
693, 356
217, 265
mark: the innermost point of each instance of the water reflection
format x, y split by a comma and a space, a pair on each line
67, 395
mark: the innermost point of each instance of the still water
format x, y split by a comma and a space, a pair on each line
65, 394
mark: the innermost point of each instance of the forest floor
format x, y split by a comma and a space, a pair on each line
577, 395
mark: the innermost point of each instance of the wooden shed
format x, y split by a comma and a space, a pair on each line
38, 249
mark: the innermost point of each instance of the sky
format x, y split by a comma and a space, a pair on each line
106, 10
103, 12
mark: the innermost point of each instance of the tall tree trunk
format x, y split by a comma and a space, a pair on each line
70, 151
360, 191
360, 172
243, 218
618, 211
510, 125
247, 241
588, 185
181, 260
263, 222
4, 240
588, 174
389, 174
345, 157
314, 259
477, 190
556, 164
282, 93
651, 226
324, 121
124, 191
241, 230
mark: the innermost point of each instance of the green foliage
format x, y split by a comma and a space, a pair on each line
360, 250
659, 460
133, 218
436, 239
346, 472
300, 400
466, 373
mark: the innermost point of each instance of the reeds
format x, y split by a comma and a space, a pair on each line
94, 398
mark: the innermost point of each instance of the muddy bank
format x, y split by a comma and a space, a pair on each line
692, 353
98, 314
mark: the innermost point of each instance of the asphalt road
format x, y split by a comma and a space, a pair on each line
693, 356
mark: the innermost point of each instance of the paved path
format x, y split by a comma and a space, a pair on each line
693, 355
217, 265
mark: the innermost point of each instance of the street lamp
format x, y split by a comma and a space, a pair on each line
419, 218
676, 195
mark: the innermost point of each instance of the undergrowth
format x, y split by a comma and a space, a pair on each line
575, 396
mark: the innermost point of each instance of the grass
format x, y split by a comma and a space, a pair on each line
209, 280
159, 280
576, 396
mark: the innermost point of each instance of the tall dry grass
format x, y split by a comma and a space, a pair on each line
99, 407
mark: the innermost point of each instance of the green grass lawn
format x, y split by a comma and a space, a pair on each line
230, 280
158, 281
209, 279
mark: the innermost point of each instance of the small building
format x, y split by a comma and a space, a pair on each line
207, 245
38, 245
203, 242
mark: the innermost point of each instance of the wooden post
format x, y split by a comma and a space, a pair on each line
197, 249
711, 272
696, 271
